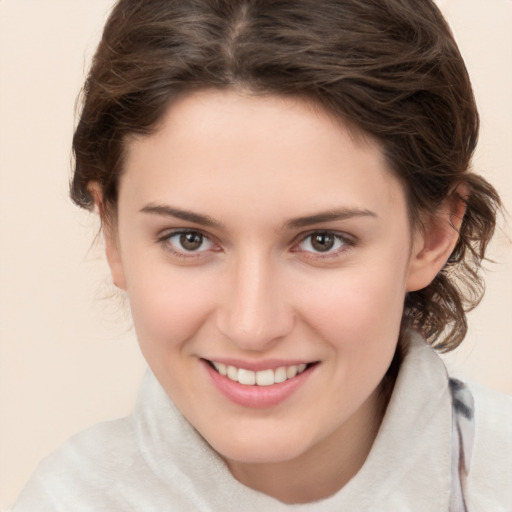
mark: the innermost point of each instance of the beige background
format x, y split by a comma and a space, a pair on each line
67, 355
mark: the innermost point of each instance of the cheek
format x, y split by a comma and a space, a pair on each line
359, 319
357, 307
167, 307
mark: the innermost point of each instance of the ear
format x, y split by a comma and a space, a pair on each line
434, 243
110, 236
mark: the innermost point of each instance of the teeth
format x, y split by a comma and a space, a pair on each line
265, 378
221, 368
280, 375
291, 371
246, 377
232, 373
260, 378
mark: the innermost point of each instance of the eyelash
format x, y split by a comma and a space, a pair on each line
346, 243
165, 242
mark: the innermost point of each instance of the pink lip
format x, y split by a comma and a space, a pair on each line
257, 397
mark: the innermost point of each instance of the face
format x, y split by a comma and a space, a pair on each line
257, 237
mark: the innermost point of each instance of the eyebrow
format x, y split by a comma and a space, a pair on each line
169, 211
299, 222
329, 216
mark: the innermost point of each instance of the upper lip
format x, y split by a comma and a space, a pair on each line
264, 364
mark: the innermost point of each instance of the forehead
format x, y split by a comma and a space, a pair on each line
226, 148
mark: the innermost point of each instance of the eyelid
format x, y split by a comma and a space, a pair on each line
164, 236
348, 241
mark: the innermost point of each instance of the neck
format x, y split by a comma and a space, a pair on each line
326, 467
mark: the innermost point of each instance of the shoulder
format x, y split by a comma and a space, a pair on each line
84, 473
490, 474
493, 422
129, 464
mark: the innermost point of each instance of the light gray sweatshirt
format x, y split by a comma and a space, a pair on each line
442, 446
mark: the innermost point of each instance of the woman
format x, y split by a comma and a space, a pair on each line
286, 198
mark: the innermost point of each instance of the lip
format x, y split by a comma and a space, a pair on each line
257, 397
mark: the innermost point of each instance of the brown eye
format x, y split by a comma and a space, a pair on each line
191, 241
322, 242
186, 242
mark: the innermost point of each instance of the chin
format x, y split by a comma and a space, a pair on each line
258, 449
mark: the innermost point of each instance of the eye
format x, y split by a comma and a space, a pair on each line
323, 242
187, 242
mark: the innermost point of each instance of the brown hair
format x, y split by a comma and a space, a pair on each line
389, 68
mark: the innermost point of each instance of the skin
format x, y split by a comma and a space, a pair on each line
257, 289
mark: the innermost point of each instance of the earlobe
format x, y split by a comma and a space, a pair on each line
114, 261
109, 234
433, 245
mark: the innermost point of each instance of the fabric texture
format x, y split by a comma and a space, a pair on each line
442, 446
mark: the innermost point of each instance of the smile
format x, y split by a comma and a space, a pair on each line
258, 378
267, 384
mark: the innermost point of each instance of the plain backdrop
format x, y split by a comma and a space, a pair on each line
68, 356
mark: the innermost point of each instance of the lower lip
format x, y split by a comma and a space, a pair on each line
257, 397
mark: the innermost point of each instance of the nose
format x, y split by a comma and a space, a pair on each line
254, 312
